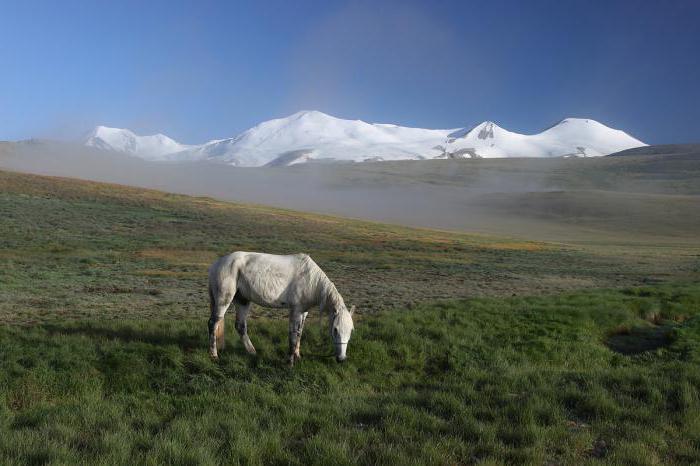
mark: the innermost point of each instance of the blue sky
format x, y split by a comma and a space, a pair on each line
203, 70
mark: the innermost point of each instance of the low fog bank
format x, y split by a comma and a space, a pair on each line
549, 199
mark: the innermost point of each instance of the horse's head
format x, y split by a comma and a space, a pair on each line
341, 329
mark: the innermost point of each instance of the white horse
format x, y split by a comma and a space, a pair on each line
295, 282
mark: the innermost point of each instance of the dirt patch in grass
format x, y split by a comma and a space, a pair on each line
563, 281
516, 246
117, 289
170, 273
179, 256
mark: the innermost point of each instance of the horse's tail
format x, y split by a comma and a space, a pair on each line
212, 303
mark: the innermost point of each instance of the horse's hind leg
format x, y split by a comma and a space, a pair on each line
242, 309
220, 299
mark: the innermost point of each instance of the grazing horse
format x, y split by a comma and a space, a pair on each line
295, 282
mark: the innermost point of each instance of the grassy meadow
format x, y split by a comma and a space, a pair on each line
486, 380
468, 349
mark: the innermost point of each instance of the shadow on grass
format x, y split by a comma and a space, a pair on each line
166, 336
640, 339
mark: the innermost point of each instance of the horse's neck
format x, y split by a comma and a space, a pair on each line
328, 294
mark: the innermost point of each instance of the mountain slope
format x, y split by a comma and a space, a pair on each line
314, 136
692, 150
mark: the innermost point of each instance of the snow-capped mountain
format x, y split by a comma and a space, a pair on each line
154, 147
314, 136
569, 137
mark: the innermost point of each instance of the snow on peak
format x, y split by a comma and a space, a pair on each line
485, 130
310, 135
569, 137
153, 147
309, 114
321, 136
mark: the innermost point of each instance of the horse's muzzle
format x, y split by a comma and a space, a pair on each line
339, 359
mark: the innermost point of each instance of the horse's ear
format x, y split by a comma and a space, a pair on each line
352, 310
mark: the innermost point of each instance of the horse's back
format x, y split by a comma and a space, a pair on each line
267, 279
225, 265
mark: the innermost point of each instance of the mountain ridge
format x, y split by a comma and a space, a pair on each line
322, 137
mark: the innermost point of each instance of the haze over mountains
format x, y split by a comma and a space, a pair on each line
312, 136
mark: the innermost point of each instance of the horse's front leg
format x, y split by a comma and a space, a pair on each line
297, 353
296, 326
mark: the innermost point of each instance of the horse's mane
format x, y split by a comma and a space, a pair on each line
328, 295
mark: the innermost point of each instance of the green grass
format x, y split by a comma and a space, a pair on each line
493, 380
103, 344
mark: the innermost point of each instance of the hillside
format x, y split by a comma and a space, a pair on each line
97, 244
621, 200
